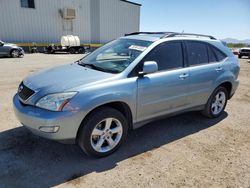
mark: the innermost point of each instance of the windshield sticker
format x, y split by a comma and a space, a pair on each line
139, 48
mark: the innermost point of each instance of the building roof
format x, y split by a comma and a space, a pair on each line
131, 2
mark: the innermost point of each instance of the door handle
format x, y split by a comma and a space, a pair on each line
183, 76
218, 69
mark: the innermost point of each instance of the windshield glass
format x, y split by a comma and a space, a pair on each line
115, 56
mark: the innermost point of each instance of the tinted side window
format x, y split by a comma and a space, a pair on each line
211, 54
219, 55
197, 53
167, 55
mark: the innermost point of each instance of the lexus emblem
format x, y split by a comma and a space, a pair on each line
20, 89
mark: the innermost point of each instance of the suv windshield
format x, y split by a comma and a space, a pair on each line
245, 50
115, 56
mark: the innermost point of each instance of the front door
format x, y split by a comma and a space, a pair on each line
164, 91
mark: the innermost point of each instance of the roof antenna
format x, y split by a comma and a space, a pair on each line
182, 32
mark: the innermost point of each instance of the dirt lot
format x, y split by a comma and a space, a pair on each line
188, 150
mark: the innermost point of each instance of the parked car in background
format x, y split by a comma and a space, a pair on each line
10, 50
125, 84
244, 52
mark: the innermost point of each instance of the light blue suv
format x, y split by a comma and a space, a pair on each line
123, 85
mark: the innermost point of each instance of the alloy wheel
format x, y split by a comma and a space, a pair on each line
106, 135
219, 102
15, 53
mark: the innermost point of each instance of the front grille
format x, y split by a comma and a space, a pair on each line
24, 92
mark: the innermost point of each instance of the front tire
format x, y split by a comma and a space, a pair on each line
104, 130
14, 53
216, 103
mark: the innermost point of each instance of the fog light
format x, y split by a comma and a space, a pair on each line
49, 129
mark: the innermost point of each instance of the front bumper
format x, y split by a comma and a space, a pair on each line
21, 52
34, 118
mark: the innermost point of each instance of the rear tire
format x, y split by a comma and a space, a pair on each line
72, 50
103, 131
239, 56
81, 51
216, 103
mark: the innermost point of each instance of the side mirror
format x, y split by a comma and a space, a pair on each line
149, 67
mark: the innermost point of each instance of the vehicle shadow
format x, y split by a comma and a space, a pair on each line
5, 57
27, 160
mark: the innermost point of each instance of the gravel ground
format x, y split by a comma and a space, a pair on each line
183, 151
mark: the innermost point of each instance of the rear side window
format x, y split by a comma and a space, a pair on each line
197, 53
168, 55
219, 55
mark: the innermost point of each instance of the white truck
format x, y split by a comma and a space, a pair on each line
69, 43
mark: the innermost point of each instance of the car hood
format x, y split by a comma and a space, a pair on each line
9, 44
63, 78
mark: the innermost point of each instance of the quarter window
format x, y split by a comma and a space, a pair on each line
220, 56
197, 53
168, 55
28, 3
211, 54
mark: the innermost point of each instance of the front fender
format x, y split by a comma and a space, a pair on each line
90, 98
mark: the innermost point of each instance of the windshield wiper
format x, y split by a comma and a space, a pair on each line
92, 66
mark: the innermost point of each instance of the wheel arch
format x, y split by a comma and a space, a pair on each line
118, 105
228, 86
12, 49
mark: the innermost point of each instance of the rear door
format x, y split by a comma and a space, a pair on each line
164, 91
206, 65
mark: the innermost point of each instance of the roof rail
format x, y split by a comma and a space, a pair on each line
189, 34
138, 33
171, 34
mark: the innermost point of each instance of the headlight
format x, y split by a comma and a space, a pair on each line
55, 102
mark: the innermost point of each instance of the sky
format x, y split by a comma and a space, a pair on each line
220, 18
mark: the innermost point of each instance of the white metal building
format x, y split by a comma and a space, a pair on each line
45, 21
